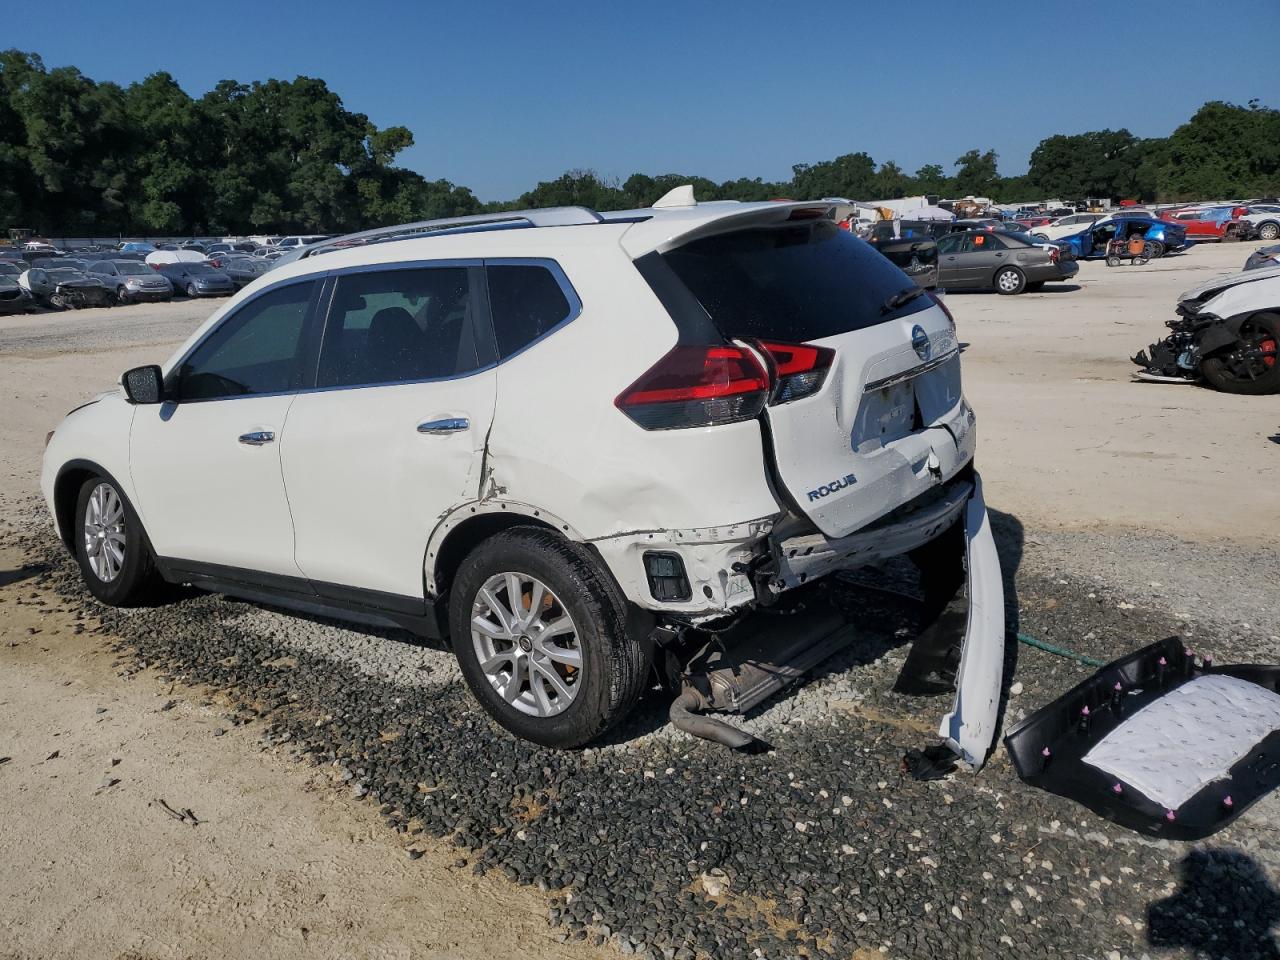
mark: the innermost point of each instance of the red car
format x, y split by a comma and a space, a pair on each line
1212, 223
1039, 220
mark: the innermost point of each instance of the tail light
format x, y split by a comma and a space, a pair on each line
798, 370
1054, 254
697, 386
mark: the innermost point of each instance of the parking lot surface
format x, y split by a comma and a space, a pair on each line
1123, 512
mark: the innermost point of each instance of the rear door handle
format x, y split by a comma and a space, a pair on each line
257, 438
447, 425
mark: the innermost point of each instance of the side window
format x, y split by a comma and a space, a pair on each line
526, 301
949, 244
976, 241
399, 326
255, 350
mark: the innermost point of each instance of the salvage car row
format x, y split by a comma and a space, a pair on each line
99, 279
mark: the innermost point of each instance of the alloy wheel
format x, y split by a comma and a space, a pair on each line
1008, 280
527, 644
104, 534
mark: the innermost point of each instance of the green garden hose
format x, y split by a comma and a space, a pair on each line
1059, 651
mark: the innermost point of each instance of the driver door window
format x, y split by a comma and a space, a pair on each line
254, 351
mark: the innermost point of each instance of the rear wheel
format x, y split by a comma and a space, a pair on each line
1253, 367
1269, 231
1010, 280
541, 636
115, 560
1155, 249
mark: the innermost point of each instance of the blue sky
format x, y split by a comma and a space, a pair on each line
501, 95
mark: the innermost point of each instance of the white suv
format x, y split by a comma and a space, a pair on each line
569, 441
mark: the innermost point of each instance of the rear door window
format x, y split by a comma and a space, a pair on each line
527, 301
799, 282
399, 326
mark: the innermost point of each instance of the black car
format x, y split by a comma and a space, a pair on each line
241, 269
197, 279
916, 257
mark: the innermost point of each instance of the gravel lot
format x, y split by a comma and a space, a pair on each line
658, 845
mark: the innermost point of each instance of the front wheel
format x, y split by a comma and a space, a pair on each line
1009, 280
122, 297
191, 290
541, 636
115, 560
1268, 231
1253, 366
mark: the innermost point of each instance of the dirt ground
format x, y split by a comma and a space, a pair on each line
283, 864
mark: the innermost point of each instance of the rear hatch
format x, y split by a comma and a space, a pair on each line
868, 413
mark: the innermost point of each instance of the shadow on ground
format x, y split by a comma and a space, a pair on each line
1225, 908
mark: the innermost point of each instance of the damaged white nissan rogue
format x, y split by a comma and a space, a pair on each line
585, 447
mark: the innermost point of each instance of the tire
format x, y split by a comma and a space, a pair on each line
122, 297
1155, 250
1269, 231
1113, 261
611, 669
123, 577
1035, 287
1009, 281
1041, 236
1223, 372
191, 291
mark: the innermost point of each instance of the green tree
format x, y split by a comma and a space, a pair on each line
930, 179
1101, 163
852, 175
976, 174
1223, 151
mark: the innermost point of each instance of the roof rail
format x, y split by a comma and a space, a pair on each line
547, 217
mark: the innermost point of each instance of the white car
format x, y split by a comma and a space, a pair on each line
293, 243
1265, 219
580, 445
1065, 226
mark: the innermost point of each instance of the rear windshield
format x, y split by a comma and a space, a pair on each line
799, 282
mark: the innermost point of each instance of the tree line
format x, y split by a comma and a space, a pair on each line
83, 157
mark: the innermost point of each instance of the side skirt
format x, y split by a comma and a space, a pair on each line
373, 608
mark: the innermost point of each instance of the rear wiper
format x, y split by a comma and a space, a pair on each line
899, 298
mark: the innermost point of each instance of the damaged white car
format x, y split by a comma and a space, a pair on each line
586, 447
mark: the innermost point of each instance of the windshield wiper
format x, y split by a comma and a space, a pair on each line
900, 298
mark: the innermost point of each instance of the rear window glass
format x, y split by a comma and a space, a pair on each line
527, 301
799, 282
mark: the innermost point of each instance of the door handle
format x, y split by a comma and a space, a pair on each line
257, 438
447, 425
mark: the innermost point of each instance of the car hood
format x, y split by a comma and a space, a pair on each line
1215, 286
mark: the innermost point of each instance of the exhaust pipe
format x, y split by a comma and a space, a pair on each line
684, 716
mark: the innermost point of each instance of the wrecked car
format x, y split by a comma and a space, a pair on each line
1263, 257
65, 287
1091, 243
593, 450
917, 258
1226, 333
13, 297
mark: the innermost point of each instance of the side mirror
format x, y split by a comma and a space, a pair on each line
144, 384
